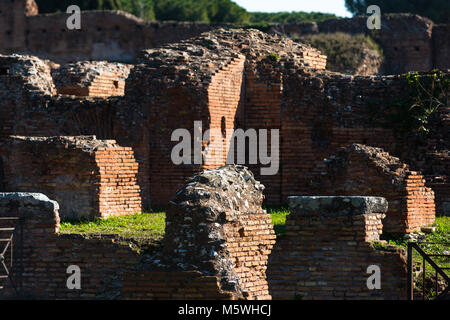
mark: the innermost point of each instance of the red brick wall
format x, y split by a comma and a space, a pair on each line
326, 252
362, 170
225, 104
321, 114
263, 91
166, 285
86, 181
105, 85
110, 268
118, 191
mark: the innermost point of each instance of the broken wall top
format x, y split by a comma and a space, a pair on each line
196, 60
83, 73
30, 72
84, 143
214, 211
387, 164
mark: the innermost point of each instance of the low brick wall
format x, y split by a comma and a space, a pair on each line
217, 244
360, 169
328, 247
88, 177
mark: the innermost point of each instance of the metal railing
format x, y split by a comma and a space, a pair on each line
10, 242
438, 270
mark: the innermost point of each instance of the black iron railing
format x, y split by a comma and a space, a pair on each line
431, 260
11, 239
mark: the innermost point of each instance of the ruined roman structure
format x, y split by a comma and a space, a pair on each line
96, 137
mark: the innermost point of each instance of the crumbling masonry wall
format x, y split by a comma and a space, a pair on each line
216, 246
328, 247
88, 177
265, 81
409, 42
91, 79
109, 267
221, 228
360, 169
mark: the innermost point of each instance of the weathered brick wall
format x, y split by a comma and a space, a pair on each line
316, 111
104, 35
13, 21
218, 215
225, 107
441, 46
47, 254
323, 112
360, 169
110, 269
91, 79
216, 246
404, 38
328, 247
409, 42
166, 285
89, 177
410, 47
263, 90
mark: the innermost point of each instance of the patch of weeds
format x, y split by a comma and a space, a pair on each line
343, 50
274, 57
278, 216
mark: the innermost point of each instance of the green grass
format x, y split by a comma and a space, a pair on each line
278, 215
140, 225
148, 225
442, 235
434, 243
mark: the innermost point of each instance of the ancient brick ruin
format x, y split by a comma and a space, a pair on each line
360, 169
218, 245
329, 245
409, 42
218, 215
91, 79
202, 254
226, 80
88, 177
97, 137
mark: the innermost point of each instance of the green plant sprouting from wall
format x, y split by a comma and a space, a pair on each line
425, 94
428, 93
